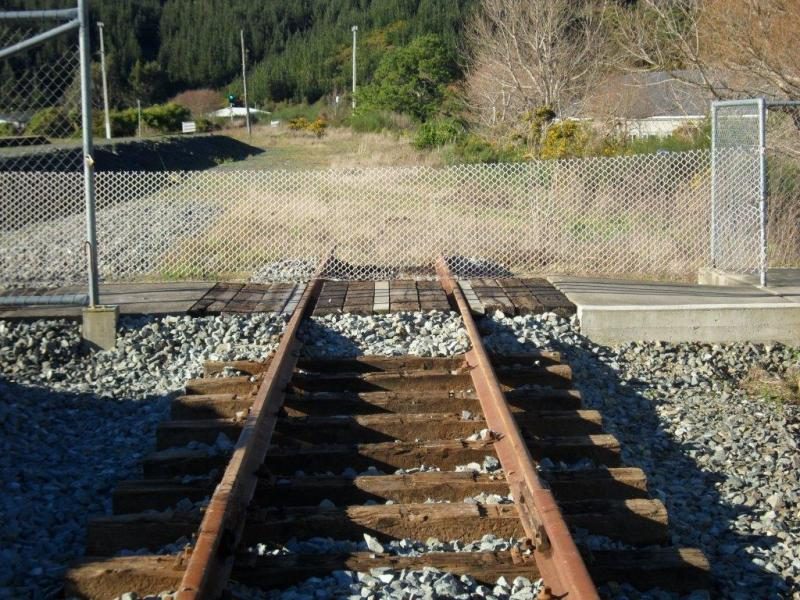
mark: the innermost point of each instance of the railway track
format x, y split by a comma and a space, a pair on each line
333, 418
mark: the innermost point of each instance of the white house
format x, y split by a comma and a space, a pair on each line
236, 111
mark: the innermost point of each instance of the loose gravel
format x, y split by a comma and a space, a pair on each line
433, 333
725, 464
134, 238
72, 424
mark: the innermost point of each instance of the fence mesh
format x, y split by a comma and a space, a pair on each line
736, 187
40, 112
783, 184
639, 215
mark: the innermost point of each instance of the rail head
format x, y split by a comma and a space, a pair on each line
557, 557
211, 560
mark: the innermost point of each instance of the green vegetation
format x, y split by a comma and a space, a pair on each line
299, 51
412, 79
439, 132
159, 118
317, 127
7, 130
52, 122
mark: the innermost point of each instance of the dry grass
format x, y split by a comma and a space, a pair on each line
558, 217
339, 148
782, 389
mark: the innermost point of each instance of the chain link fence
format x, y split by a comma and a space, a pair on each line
645, 215
782, 130
40, 109
756, 188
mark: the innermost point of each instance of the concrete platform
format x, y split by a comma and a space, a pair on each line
612, 311
782, 281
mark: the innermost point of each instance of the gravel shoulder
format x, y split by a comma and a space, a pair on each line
725, 464
73, 424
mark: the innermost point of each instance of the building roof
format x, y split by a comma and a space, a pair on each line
650, 94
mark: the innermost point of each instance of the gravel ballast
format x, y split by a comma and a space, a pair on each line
433, 333
725, 464
73, 424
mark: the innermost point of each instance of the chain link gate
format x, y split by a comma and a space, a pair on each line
755, 191
46, 145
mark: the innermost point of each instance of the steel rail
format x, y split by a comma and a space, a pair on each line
560, 564
211, 560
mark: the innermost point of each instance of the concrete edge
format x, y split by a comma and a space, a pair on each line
720, 323
685, 307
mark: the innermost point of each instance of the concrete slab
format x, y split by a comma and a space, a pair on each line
780, 281
621, 292
613, 311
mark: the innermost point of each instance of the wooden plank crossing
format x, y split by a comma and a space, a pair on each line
432, 296
403, 295
516, 296
485, 296
331, 298
360, 297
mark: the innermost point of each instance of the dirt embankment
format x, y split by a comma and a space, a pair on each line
195, 153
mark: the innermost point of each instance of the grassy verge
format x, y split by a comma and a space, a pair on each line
781, 389
339, 148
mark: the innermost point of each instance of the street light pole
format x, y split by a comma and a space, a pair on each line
355, 31
105, 82
244, 83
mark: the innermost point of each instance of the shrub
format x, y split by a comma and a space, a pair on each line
566, 139
438, 132
317, 127
475, 149
371, 121
7, 130
199, 102
165, 118
124, 123
288, 112
205, 125
52, 122
298, 123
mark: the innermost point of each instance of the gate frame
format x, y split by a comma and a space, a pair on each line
76, 18
762, 106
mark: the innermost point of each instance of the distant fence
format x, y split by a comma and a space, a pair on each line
645, 215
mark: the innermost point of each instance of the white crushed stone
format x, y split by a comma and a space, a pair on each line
725, 464
73, 424
433, 333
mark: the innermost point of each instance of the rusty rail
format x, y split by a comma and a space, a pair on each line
557, 558
211, 560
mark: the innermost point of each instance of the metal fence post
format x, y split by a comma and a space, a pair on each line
713, 185
88, 150
762, 190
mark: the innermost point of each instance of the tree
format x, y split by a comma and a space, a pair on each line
412, 79
527, 54
737, 47
147, 81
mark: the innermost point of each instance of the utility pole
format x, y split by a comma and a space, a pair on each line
139, 112
244, 83
105, 81
355, 31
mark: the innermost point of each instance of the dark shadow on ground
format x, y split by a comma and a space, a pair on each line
172, 153
61, 453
